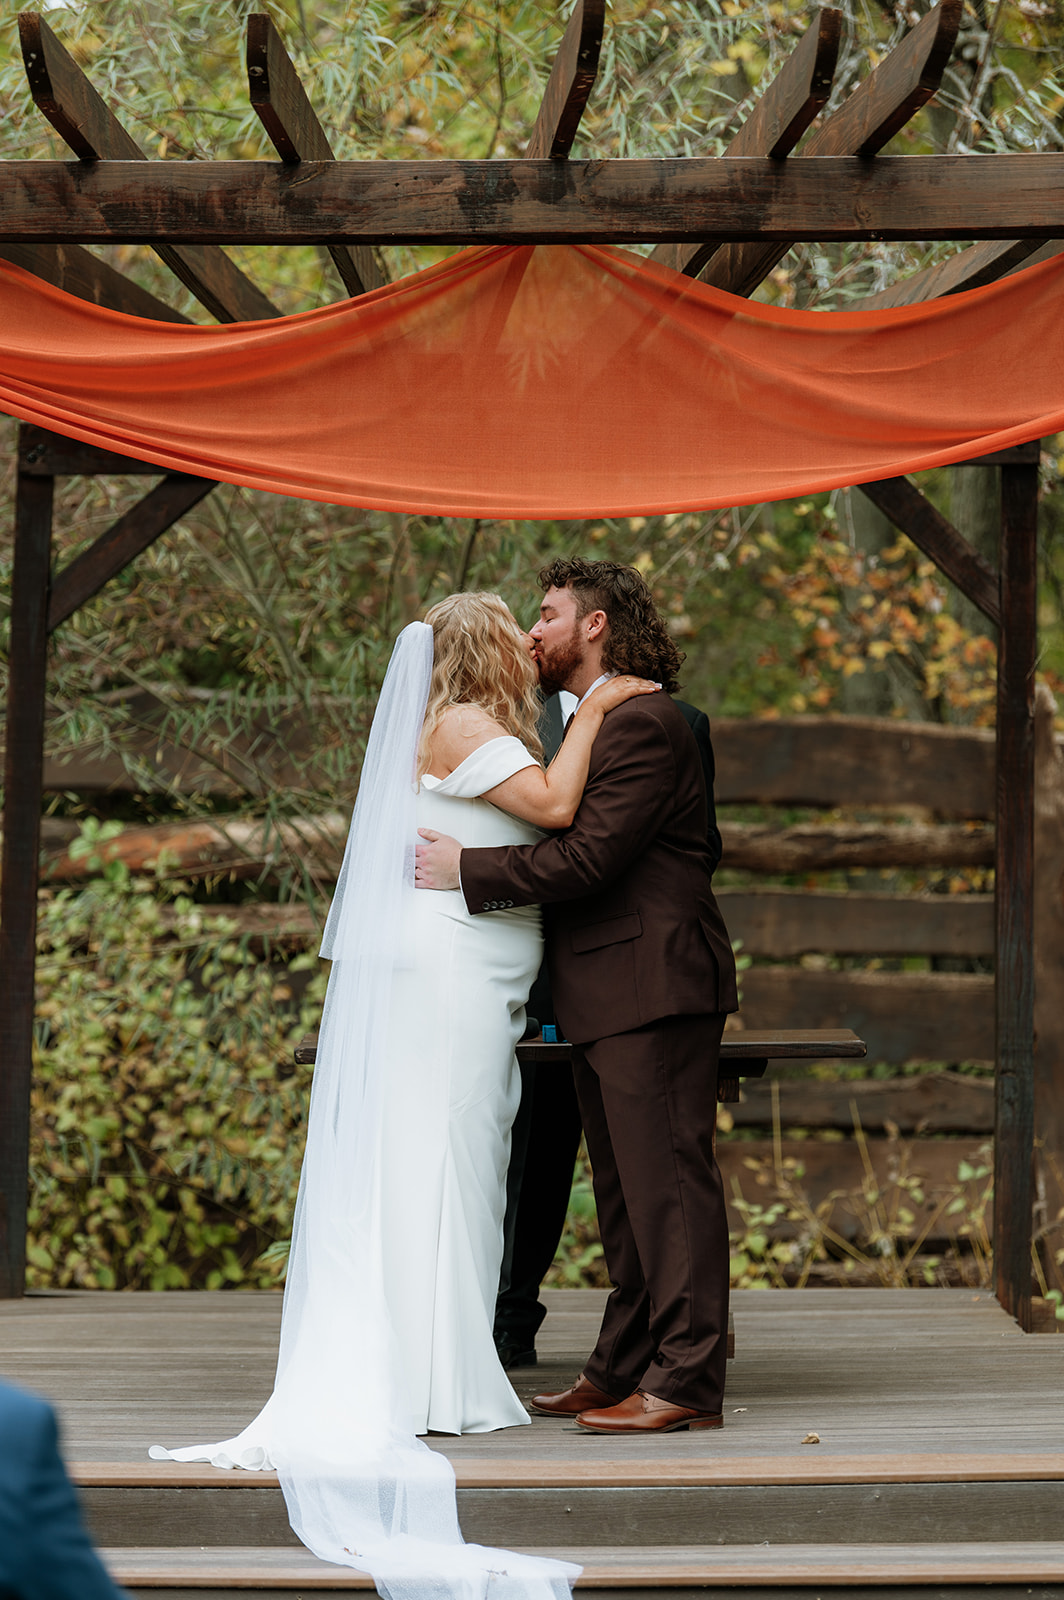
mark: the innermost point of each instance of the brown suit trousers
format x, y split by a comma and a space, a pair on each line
642, 972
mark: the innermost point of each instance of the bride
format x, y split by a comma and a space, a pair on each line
397, 1237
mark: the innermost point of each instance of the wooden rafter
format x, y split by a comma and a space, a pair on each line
86, 123
902, 82
78, 272
534, 202
127, 538
968, 269
571, 79
797, 92
282, 106
908, 509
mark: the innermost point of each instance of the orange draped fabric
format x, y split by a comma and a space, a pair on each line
554, 381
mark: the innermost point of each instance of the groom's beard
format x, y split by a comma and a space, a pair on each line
557, 667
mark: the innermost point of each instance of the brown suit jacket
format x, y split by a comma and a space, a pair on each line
633, 930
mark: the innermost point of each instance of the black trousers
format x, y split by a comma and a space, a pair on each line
649, 1105
544, 1145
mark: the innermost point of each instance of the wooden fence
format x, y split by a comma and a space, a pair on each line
912, 796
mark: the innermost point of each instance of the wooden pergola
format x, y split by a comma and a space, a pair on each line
725, 220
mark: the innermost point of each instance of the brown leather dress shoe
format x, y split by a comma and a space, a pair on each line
645, 1413
583, 1396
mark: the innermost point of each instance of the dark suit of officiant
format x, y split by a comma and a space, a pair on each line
642, 973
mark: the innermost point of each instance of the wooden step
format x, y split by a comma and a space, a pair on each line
633, 1503
798, 1568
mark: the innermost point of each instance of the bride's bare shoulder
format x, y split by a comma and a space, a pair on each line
460, 731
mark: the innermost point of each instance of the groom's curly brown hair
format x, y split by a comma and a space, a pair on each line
637, 639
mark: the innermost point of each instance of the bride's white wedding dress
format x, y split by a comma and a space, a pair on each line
397, 1233
449, 1101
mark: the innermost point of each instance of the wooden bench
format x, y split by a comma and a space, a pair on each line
744, 1052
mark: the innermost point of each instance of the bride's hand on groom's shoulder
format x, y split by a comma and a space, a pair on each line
437, 858
615, 691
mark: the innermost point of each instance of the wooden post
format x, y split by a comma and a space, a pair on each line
23, 774
1014, 867
1049, 983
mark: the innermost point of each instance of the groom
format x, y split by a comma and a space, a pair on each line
642, 973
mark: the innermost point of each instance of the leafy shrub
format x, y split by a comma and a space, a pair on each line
167, 1118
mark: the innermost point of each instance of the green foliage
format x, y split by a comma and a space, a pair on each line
167, 1126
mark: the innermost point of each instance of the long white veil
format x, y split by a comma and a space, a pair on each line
361, 1489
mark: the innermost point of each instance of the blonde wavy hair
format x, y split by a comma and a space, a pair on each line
480, 657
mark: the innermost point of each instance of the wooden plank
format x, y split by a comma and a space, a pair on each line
894, 90
798, 91
1014, 877
793, 1567
282, 106
525, 1472
612, 1521
931, 532
758, 847
23, 761
759, 1044
932, 1102
752, 847
804, 761
134, 531
901, 1016
1019, 456
80, 273
86, 123
901, 83
779, 924
854, 761
968, 269
51, 455
572, 77
530, 202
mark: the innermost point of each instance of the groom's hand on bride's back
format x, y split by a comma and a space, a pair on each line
437, 861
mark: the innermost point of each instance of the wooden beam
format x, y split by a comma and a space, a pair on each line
968, 269
854, 761
933, 1102
1014, 879
23, 770
282, 106
571, 78
80, 273
930, 531
531, 202
895, 89
782, 924
901, 1016
105, 558
777, 121
52, 455
842, 847
86, 123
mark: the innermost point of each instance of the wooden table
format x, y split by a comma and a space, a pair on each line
744, 1052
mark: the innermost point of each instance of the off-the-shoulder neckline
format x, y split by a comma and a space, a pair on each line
466, 759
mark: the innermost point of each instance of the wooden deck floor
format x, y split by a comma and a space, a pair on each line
879, 1373
940, 1461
